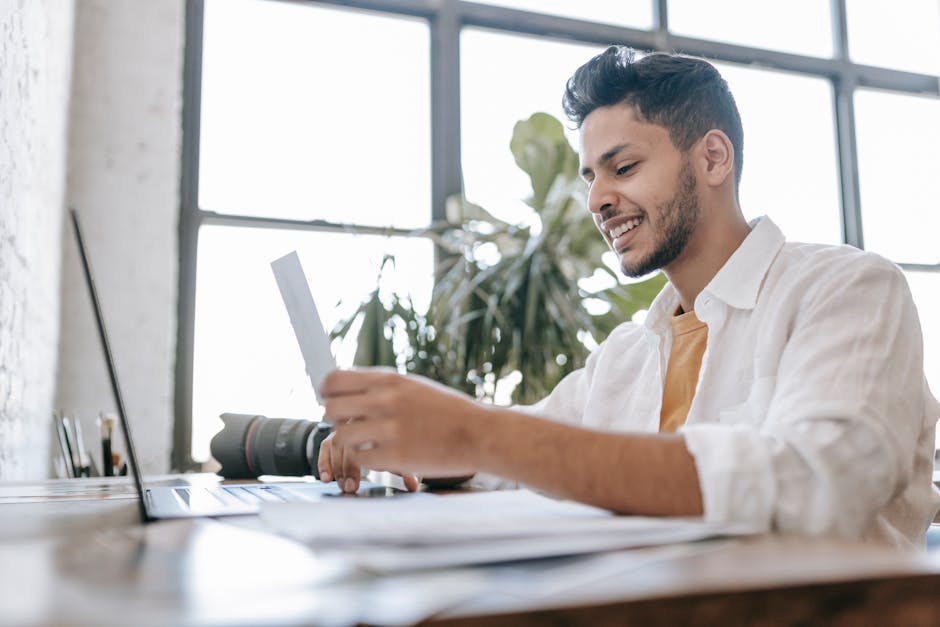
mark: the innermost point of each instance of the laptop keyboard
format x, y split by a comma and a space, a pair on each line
233, 495
236, 497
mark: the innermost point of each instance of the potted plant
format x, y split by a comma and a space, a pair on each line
520, 313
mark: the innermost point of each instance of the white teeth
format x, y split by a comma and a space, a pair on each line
626, 226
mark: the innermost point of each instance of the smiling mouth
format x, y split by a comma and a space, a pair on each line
626, 227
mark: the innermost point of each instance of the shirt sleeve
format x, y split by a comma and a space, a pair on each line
841, 431
565, 403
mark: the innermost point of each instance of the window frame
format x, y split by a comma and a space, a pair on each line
446, 20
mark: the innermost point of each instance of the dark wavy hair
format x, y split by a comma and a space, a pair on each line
685, 95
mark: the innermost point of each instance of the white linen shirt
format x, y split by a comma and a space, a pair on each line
811, 413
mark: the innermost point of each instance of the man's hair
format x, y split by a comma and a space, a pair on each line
685, 95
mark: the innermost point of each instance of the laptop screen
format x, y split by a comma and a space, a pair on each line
112, 371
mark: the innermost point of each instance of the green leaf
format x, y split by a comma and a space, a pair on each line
542, 151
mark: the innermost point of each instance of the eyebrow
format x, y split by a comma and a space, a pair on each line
607, 156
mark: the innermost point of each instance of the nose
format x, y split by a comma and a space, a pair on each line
601, 197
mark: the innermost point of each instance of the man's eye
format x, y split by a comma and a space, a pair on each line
626, 168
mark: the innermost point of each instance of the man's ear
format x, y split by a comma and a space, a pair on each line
715, 158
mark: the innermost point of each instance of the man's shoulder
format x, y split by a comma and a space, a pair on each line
626, 336
826, 263
810, 275
626, 331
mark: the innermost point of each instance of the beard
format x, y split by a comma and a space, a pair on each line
674, 226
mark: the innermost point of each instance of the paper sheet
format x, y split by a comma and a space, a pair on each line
312, 339
400, 534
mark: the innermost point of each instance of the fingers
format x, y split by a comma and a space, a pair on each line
342, 382
361, 437
350, 482
370, 409
325, 459
340, 454
343, 408
338, 461
411, 481
346, 382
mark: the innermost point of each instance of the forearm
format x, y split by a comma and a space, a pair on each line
649, 474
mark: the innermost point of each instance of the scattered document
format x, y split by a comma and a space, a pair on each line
399, 599
402, 533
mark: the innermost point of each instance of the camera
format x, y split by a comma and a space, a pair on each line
249, 446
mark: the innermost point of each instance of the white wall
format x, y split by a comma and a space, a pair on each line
123, 177
35, 65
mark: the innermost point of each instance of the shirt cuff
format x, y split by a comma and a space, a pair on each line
735, 474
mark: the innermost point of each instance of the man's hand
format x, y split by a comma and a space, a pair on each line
334, 462
388, 421
393, 422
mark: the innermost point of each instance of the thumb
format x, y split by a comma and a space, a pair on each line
411, 481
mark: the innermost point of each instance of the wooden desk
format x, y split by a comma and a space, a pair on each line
89, 563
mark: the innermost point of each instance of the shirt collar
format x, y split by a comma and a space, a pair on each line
659, 318
737, 283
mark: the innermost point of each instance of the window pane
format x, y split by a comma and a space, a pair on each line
898, 161
246, 358
925, 286
504, 79
633, 13
790, 168
315, 113
903, 34
800, 26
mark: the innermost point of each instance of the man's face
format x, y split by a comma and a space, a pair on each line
642, 188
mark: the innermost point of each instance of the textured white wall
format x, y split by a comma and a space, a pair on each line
35, 64
123, 177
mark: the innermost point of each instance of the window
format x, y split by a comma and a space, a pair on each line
898, 156
246, 358
634, 13
504, 79
798, 26
786, 141
301, 119
336, 130
903, 35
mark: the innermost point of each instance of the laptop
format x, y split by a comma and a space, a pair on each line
188, 501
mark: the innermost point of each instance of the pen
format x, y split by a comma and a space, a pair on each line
65, 458
107, 428
69, 436
84, 470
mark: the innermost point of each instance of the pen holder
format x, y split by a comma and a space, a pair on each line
76, 459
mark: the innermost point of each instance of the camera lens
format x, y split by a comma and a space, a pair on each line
249, 446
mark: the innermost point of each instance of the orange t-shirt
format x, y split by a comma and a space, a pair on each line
689, 336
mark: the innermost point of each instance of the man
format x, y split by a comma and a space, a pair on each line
772, 383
